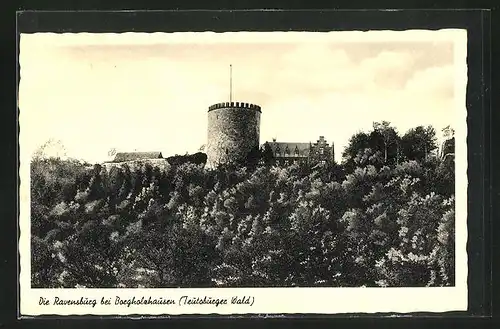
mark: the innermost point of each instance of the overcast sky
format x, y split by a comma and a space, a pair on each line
151, 92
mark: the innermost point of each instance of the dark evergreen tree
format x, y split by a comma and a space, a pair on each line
267, 154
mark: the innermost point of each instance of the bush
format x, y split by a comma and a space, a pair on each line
371, 224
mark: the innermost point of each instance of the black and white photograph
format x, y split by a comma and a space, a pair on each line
279, 166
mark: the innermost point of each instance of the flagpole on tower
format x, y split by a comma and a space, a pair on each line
230, 82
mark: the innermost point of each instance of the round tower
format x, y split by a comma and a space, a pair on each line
233, 131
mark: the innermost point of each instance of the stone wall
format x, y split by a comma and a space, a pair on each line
162, 164
233, 130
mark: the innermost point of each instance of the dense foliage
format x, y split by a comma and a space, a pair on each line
197, 158
381, 218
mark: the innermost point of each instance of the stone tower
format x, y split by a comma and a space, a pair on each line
233, 131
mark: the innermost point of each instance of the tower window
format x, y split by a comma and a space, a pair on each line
321, 151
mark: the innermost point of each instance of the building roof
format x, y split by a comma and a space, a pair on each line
302, 148
131, 156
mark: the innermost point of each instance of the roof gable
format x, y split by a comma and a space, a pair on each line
290, 149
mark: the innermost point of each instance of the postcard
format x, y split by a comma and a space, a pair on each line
243, 172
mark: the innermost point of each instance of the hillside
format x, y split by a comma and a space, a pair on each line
373, 220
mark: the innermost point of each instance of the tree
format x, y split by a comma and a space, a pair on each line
358, 142
419, 142
52, 148
365, 222
253, 157
267, 154
112, 153
448, 132
389, 136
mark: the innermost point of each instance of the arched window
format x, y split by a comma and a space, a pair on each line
278, 151
287, 150
296, 151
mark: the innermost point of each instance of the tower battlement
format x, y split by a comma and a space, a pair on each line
240, 105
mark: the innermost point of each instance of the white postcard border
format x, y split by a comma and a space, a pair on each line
276, 300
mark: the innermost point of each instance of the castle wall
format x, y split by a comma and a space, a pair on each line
233, 130
162, 164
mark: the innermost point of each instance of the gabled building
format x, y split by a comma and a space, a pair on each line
286, 153
322, 152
